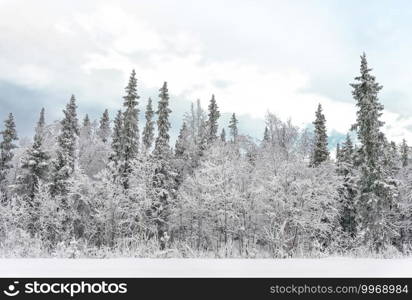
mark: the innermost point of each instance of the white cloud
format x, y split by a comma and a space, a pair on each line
249, 89
262, 57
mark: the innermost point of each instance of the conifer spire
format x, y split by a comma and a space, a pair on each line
117, 139
404, 153
148, 131
163, 124
320, 151
233, 127
63, 165
131, 120
212, 125
223, 135
104, 128
376, 189
7, 146
35, 162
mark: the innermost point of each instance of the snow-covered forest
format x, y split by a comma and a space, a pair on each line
107, 188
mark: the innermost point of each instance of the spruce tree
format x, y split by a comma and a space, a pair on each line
148, 131
86, 129
338, 152
41, 124
376, 192
320, 151
200, 120
223, 136
163, 124
202, 137
348, 191
35, 163
266, 135
212, 125
182, 141
163, 181
182, 163
131, 119
6, 150
233, 127
117, 139
63, 165
104, 127
392, 159
86, 121
130, 134
404, 153
346, 151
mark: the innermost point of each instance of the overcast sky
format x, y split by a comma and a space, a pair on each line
255, 56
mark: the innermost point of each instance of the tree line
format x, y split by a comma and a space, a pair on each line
105, 188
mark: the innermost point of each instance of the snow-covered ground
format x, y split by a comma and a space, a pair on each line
129, 267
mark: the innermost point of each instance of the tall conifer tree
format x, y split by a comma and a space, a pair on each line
223, 136
376, 191
266, 135
320, 151
104, 127
7, 146
404, 153
63, 165
233, 127
35, 162
182, 141
163, 181
148, 131
212, 125
130, 133
348, 191
86, 130
117, 140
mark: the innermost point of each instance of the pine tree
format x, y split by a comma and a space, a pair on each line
266, 135
117, 139
196, 120
86, 121
392, 160
104, 128
212, 125
181, 163
200, 119
320, 151
35, 163
148, 131
63, 165
404, 153
131, 119
347, 150
130, 132
376, 189
181, 142
223, 136
163, 124
41, 124
163, 180
86, 129
348, 191
338, 152
233, 127
6, 151
202, 139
